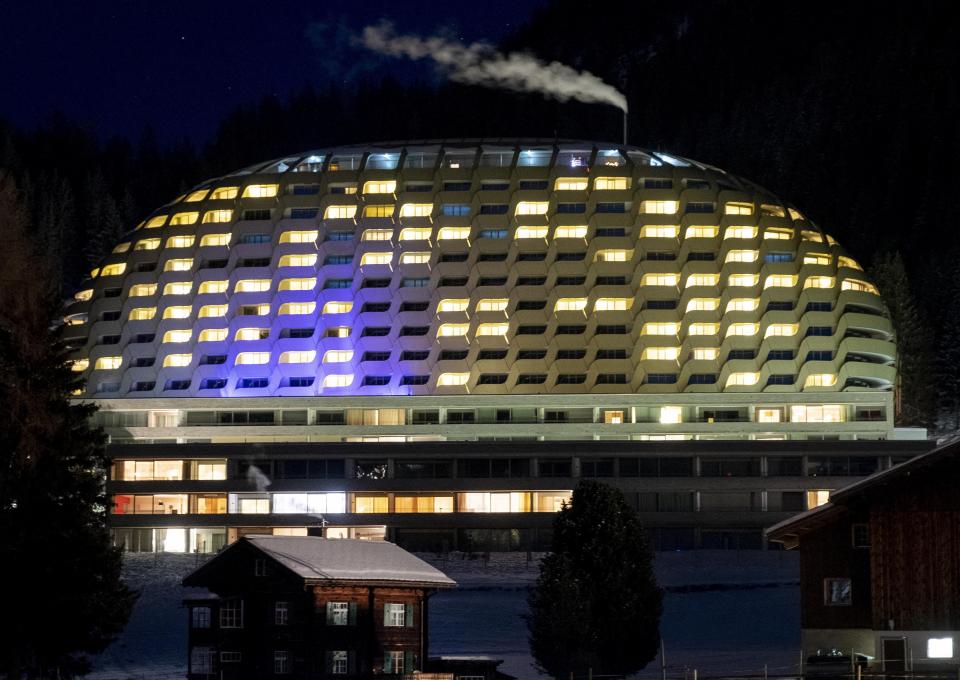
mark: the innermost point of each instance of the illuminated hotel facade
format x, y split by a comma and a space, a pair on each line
432, 342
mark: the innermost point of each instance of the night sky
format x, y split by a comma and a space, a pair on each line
179, 67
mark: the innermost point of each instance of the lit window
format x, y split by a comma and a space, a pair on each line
704, 328
810, 235
859, 286
452, 305
660, 280
83, 295
743, 280
184, 218
659, 231
377, 235
260, 191
492, 305
660, 328
740, 232
108, 363
820, 380
612, 304
195, 196
297, 308
737, 208
79, 365
181, 265
702, 280
383, 210
178, 336
849, 262
178, 288
611, 183
570, 305
451, 233
570, 184
416, 233
570, 232
338, 332
532, 208
341, 380
770, 210
531, 232
817, 413
742, 379
819, 282
155, 222
769, 415
177, 312
298, 260
670, 415
661, 353
659, 207
305, 236
298, 284
147, 244
142, 313
452, 329
177, 360
817, 258
376, 258
795, 214
143, 289
212, 335
741, 256
339, 212
213, 287
781, 330
251, 334
248, 358
217, 216
338, 356
702, 232
298, 357
837, 591
612, 255
452, 379
385, 186
255, 285
706, 353
742, 305
215, 240
780, 281
223, 193
492, 329
940, 648
416, 210
337, 307
778, 234
742, 329
415, 258
113, 269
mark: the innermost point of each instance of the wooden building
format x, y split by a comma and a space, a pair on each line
309, 607
880, 566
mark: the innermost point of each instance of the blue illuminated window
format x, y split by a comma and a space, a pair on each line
247, 383
338, 283
534, 158
303, 381
778, 257
340, 235
177, 385
213, 384
492, 233
455, 209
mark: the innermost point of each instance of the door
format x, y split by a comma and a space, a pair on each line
894, 655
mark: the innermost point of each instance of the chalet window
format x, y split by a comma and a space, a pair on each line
397, 615
281, 614
281, 662
200, 617
861, 536
393, 661
230, 657
341, 613
231, 613
837, 592
339, 662
201, 660
259, 567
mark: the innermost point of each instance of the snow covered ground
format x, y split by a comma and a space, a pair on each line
724, 612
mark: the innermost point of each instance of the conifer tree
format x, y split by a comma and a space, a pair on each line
61, 573
596, 605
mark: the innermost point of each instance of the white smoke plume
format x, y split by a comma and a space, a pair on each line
482, 64
256, 476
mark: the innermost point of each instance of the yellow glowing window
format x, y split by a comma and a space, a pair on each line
377, 235
794, 214
660, 328
305, 236
706, 353
781, 330
256, 358
338, 332
453, 305
452, 379
223, 193
659, 231
742, 379
820, 380
142, 313
659, 207
180, 265
817, 258
770, 210
532, 208
368, 504
147, 244
298, 260
416, 210
531, 232
113, 269
819, 282
611, 183
778, 234
740, 232
660, 279
213, 287
259, 310
143, 289
844, 261
256, 285
769, 415
415, 258
831, 240
671, 415
341, 380
297, 308
451, 233
704, 328
817, 413
492, 329
178, 312
423, 504
416, 233
121, 247
570, 184
386, 186
780, 281
743, 280
702, 304
570, 305
108, 363
217, 216
178, 288
702, 280
184, 218
337, 356
180, 335
448, 330
195, 196
298, 356
661, 353
570, 232
742, 305
702, 231
376, 258
613, 255
94, 272
214, 240
859, 286
340, 212
212, 335
212, 311
742, 329
155, 222
79, 365
810, 235
297, 284
742, 256
337, 307
261, 191
492, 305
82, 295
607, 304
252, 334
378, 211
738, 208
177, 360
